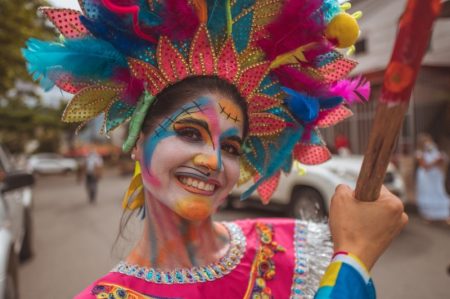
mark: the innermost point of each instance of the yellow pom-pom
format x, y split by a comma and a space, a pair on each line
343, 30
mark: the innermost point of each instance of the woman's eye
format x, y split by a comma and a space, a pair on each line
191, 134
231, 149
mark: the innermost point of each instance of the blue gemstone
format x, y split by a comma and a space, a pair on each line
150, 275
299, 280
158, 277
179, 276
300, 271
298, 291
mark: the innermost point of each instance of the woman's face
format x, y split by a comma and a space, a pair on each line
190, 162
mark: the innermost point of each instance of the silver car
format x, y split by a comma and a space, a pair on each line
15, 223
306, 191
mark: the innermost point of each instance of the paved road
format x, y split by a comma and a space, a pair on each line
74, 245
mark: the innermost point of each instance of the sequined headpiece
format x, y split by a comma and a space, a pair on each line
280, 54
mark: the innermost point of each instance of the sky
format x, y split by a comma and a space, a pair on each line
65, 3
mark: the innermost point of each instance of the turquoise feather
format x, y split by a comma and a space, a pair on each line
81, 58
280, 153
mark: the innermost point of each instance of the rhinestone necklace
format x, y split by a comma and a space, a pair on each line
208, 272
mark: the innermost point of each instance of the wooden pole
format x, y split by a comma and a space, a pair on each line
414, 32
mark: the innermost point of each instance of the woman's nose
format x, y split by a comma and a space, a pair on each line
210, 161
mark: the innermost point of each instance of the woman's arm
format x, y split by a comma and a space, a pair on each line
361, 232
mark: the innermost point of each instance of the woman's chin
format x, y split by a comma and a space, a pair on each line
194, 208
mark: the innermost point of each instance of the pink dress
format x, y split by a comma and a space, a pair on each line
268, 258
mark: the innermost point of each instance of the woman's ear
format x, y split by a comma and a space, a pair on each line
136, 152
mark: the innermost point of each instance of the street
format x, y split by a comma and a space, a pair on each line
74, 244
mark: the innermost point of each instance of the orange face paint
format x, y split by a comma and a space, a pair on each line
231, 110
194, 208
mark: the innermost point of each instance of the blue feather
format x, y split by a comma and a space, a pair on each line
82, 58
330, 102
118, 32
302, 106
330, 8
280, 154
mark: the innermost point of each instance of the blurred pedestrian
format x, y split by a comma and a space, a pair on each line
432, 200
93, 172
342, 145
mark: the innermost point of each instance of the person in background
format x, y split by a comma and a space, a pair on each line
93, 171
432, 200
342, 145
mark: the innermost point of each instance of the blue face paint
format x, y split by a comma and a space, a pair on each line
228, 133
165, 130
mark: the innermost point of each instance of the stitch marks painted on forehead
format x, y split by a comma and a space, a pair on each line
229, 115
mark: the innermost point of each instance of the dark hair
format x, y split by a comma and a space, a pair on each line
168, 100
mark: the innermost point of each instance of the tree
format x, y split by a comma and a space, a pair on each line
19, 21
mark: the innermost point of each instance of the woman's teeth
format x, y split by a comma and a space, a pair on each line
191, 182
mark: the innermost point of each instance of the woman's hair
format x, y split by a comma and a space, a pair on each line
172, 97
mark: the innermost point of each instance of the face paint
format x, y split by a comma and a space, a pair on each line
191, 160
163, 131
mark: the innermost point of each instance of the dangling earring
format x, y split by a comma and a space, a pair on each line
134, 197
133, 156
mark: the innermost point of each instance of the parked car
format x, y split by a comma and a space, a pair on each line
15, 223
307, 195
51, 163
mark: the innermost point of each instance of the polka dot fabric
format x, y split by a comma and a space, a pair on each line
331, 117
309, 154
66, 20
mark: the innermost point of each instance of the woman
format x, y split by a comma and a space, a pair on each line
219, 93
432, 200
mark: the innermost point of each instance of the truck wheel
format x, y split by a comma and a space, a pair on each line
11, 279
26, 251
307, 204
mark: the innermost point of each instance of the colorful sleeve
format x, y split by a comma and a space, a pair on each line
346, 278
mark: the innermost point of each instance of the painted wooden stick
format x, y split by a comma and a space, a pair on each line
414, 32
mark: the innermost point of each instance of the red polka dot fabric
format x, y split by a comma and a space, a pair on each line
66, 20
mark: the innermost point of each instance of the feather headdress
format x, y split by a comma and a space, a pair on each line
280, 54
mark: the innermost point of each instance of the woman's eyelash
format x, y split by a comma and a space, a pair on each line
188, 132
231, 149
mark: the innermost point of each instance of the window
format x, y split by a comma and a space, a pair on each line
361, 46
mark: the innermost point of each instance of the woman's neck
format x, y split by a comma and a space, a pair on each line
169, 242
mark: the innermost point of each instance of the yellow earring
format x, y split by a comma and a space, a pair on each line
134, 197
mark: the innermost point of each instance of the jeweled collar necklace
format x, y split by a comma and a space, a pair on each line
208, 272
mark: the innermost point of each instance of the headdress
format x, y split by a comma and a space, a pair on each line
116, 55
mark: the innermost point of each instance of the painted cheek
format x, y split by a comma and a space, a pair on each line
194, 208
149, 148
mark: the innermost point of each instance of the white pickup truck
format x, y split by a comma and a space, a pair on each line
306, 191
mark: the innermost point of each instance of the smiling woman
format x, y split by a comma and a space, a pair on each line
218, 92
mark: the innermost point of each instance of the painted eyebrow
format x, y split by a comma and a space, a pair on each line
235, 138
195, 121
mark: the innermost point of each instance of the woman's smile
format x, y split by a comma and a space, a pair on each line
196, 185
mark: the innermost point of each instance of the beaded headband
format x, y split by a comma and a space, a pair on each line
117, 55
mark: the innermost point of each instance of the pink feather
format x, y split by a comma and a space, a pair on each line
134, 86
353, 91
180, 21
299, 23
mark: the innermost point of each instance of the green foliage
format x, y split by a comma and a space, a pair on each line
19, 21
19, 124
